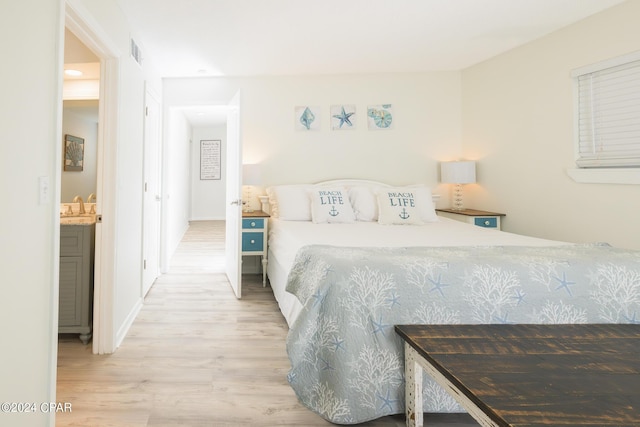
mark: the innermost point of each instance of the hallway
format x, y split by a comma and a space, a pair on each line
195, 356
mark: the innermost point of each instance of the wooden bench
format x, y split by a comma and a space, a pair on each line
526, 375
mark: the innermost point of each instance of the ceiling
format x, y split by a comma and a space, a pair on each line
206, 115
196, 38
300, 37
77, 56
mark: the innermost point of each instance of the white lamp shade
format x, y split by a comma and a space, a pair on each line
251, 174
463, 172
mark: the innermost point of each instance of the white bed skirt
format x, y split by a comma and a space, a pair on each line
289, 304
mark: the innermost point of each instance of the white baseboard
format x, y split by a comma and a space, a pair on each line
124, 329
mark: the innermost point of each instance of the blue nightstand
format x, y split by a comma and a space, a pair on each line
255, 237
472, 216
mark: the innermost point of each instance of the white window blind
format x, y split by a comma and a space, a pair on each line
608, 114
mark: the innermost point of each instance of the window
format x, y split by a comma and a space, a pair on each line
607, 116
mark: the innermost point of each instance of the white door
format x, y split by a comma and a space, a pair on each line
233, 217
152, 206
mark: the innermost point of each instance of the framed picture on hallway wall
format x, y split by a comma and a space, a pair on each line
210, 158
73, 153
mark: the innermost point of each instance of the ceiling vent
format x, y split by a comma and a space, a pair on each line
136, 53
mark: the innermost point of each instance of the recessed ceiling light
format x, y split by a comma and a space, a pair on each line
73, 73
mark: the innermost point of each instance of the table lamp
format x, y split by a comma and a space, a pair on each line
250, 176
457, 173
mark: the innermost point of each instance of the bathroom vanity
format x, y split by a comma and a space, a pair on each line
76, 278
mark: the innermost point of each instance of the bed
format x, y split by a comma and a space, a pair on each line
349, 259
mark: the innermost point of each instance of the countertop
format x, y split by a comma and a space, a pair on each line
78, 220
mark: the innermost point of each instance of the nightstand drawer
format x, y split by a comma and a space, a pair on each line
252, 223
252, 242
487, 222
484, 219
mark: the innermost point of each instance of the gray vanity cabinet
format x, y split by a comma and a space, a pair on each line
76, 280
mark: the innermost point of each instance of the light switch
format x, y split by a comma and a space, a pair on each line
44, 190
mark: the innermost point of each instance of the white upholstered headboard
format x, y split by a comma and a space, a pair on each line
264, 200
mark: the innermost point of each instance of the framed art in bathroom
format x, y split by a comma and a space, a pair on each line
73, 153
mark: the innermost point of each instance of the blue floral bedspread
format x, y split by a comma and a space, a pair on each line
347, 363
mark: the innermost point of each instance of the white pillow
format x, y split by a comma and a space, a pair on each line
290, 202
424, 200
398, 206
330, 204
364, 202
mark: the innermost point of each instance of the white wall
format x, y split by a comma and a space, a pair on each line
176, 181
129, 195
31, 111
207, 196
75, 122
427, 124
30, 117
518, 123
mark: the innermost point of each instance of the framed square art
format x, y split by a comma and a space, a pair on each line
380, 117
343, 117
307, 118
73, 153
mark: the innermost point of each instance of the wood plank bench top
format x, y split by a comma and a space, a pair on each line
530, 375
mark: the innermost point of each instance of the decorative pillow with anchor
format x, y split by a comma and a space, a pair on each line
398, 206
331, 204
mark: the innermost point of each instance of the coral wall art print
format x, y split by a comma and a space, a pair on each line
307, 118
73, 153
380, 116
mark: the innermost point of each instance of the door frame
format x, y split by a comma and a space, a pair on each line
79, 21
233, 225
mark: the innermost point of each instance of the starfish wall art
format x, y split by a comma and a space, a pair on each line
343, 117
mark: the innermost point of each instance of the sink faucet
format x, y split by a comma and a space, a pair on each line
92, 198
80, 203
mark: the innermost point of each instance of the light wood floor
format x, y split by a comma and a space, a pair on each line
195, 356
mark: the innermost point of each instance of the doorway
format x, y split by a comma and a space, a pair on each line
200, 197
80, 98
78, 187
76, 20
